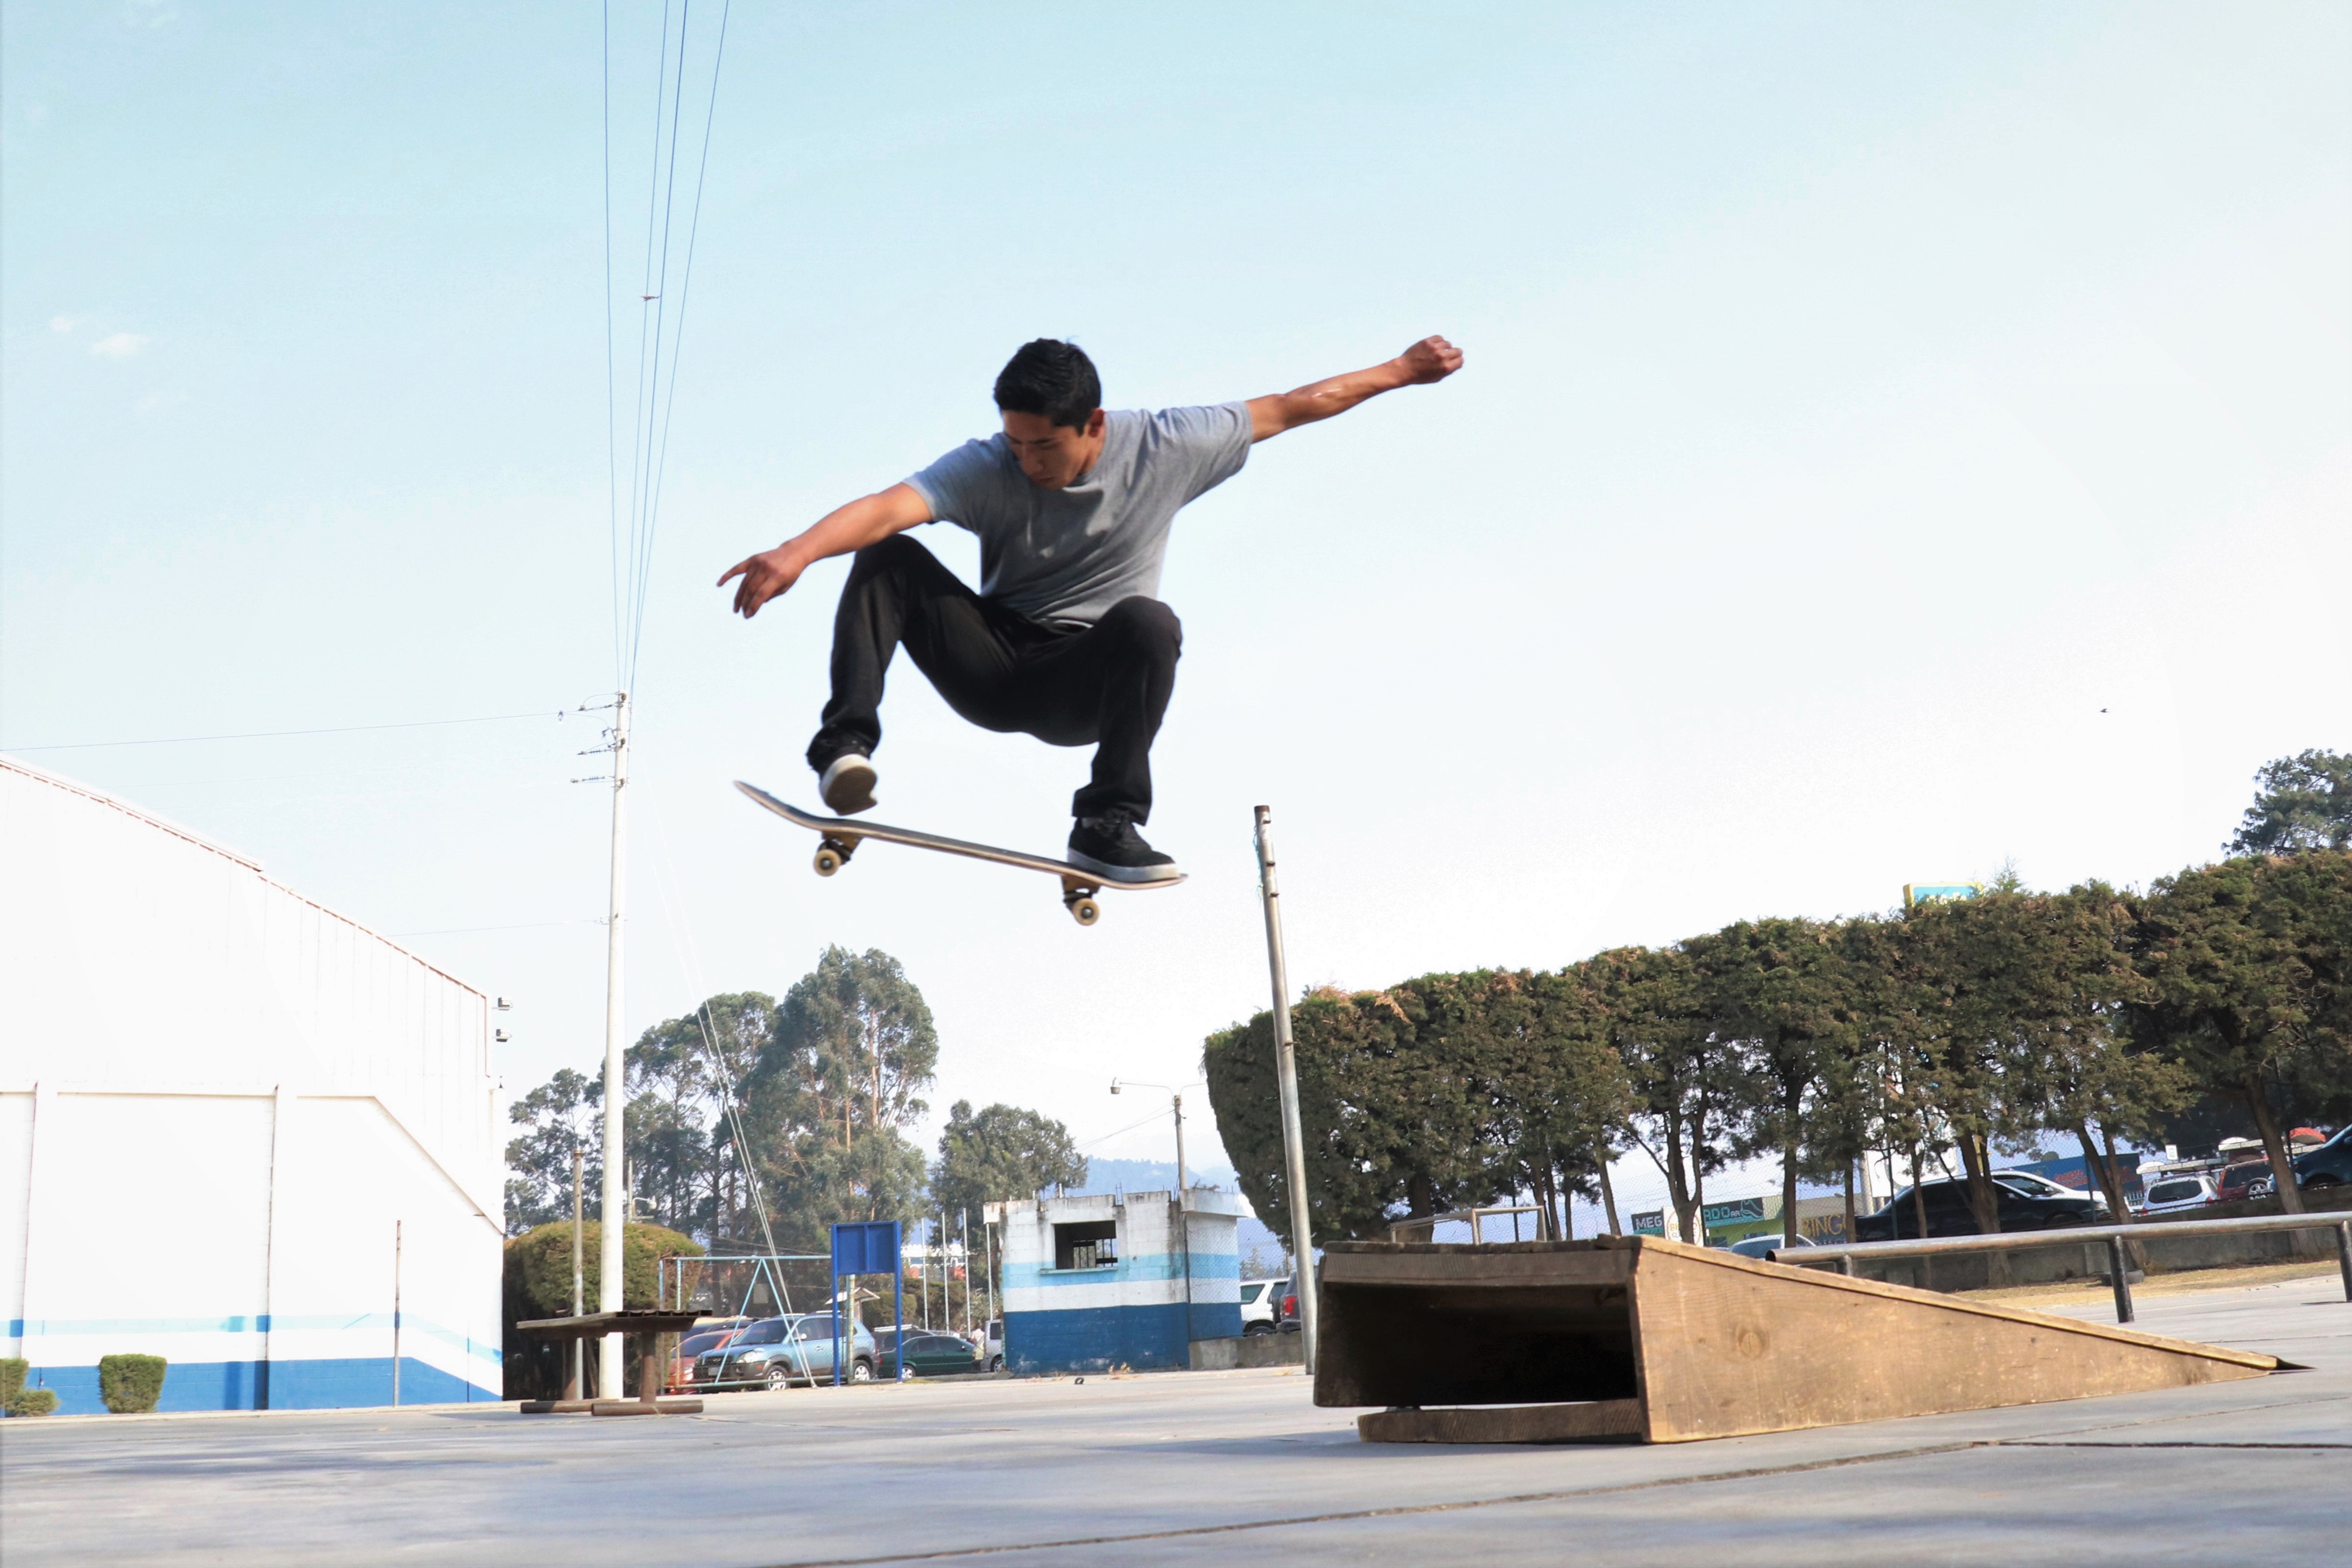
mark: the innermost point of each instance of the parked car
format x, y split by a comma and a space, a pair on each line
991, 1345
1288, 1322
2251, 1179
694, 1345
776, 1353
1261, 1304
927, 1354
2185, 1190
2329, 1165
1761, 1247
2024, 1205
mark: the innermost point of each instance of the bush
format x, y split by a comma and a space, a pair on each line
538, 1284
13, 1369
32, 1401
131, 1385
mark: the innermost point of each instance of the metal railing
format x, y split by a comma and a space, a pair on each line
1842, 1253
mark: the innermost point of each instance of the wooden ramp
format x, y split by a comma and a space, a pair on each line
1652, 1341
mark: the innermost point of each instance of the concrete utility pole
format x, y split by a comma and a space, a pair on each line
1286, 1066
616, 1204
577, 1355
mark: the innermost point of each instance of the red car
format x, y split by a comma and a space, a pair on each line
2250, 1180
709, 1335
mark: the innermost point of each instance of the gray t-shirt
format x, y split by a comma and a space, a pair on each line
1066, 556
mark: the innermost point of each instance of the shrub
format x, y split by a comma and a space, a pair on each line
131, 1385
538, 1284
32, 1401
13, 1369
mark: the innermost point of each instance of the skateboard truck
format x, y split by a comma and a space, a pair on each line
833, 852
1078, 898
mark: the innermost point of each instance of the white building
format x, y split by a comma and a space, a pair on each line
234, 1126
1129, 1279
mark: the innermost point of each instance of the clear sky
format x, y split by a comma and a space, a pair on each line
1895, 439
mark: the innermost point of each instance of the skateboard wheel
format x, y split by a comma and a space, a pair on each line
828, 860
1086, 912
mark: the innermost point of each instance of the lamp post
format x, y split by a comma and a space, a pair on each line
1175, 1093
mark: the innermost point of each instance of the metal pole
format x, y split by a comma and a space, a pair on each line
609, 1283
577, 1353
2120, 1266
1184, 1223
2344, 1254
395, 1313
1285, 1067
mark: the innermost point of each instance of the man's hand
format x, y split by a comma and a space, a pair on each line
765, 575
1431, 358
869, 519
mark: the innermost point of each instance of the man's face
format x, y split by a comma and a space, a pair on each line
1054, 455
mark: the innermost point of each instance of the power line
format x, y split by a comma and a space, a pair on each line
281, 734
685, 290
660, 330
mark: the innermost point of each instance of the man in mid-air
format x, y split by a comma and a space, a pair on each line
1066, 640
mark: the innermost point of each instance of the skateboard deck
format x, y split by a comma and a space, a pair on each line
838, 838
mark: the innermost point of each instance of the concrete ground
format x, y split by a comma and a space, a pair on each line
1209, 1468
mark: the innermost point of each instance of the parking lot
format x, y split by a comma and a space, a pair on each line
1212, 1468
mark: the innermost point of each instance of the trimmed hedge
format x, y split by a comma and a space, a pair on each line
131, 1385
32, 1402
538, 1284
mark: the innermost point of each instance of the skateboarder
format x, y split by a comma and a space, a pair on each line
1066, 640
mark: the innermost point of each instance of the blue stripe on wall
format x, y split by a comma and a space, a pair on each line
261, 1323
327, 1384
1096, 1339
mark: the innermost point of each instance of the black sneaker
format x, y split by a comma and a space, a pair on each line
1110, 847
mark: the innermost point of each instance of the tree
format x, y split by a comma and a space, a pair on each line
1560, 1090
682, 1074
1688, 1086
562, 1114
1393, 1120
1778, 994
2074, 1065
2303, 802
838, 1080
1002, 1151
2247, 964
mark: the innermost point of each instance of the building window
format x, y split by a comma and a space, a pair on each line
1093, 1244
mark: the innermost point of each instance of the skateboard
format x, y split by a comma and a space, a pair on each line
838, 838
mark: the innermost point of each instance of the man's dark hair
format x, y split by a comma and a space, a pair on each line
1052, 378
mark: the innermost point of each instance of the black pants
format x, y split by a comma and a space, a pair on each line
1106, 685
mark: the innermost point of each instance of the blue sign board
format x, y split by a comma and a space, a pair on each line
869, 1248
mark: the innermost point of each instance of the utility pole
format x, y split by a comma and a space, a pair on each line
395, 1312
1286, 1066
615, 1196
578, 1353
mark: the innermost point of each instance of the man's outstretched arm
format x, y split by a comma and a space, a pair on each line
869, 519
1431, 358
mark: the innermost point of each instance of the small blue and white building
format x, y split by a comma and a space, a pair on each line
1118, 1280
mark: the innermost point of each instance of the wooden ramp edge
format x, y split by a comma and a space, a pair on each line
1715, 1346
